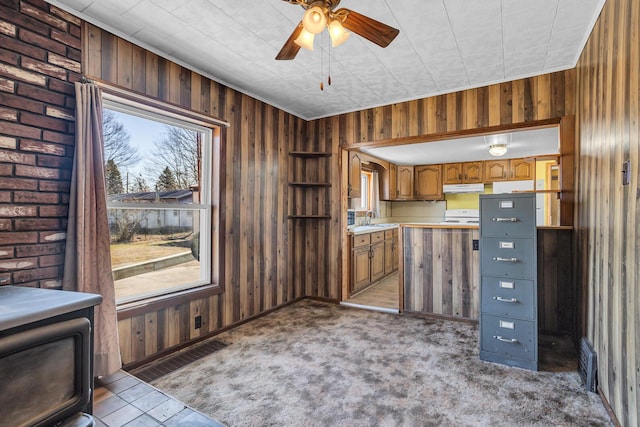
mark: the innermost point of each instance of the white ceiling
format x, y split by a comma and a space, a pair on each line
526, 143
443, 46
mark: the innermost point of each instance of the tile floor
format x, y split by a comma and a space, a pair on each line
123, 400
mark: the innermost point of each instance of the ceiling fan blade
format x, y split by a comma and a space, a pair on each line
290, 49
372, 30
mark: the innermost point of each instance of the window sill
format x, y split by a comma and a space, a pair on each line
147, 305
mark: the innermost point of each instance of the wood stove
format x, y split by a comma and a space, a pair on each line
46, 356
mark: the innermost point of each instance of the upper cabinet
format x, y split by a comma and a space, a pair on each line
472, 173
389, 183
496, 170
405, 183
522, 169
355, 169
428, 182
462, 173
508, 170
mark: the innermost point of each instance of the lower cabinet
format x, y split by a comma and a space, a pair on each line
374, 256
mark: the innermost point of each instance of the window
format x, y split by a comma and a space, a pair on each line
365, 190
158, 172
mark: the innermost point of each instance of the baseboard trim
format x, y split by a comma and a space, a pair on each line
608, 408
439, 316
371, 308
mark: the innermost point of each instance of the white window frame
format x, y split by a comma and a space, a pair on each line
127, 106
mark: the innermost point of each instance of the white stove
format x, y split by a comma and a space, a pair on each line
461, 216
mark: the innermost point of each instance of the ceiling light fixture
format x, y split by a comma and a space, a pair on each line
337, 33
305, 39
315, 20
498, 150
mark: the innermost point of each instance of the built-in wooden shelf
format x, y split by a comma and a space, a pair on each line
309, 154
309, 184
309, 216
301, 189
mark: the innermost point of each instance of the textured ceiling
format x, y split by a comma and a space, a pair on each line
443, 46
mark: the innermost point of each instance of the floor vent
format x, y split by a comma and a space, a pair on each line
154, 371
587, 365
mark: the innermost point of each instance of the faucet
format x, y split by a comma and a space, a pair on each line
368, 215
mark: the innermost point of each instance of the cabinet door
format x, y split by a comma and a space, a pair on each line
452, 173
472, 173
377, 261
355, 168
361, 268
496, 170
522, 169
388, 256
395, 255
390, 183
429, 182
405, 183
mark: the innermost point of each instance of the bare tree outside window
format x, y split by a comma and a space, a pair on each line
117, 142
177, 151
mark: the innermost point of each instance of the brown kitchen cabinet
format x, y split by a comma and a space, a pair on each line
355, 169
374, 256
389, 183
508, 170
428, 182
405, 183
390, 251
522, 169
496, 170
462, 173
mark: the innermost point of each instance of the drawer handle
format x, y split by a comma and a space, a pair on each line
510, 300
505, 219
507, 340
500, 259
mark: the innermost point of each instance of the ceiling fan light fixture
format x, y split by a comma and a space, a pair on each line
498, 150
314, 20
305, 39
337, 33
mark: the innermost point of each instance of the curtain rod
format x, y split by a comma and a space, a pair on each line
129, 95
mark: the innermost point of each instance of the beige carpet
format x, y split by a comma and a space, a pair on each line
315, 364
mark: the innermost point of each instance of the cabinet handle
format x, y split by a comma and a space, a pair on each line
510, 300
500, 259
510, 341
504, 219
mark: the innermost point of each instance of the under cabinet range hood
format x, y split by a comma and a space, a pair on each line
463, 188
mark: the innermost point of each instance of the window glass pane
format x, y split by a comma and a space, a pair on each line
364, 191
155, 174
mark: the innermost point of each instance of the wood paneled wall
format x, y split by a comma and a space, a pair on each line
258, 271
441, 271
608, 220
557, 294
548, 96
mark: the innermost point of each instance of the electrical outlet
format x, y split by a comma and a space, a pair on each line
476, 244
197, 322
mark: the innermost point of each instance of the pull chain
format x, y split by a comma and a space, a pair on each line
321, 62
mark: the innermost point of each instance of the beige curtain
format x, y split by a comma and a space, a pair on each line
87, 266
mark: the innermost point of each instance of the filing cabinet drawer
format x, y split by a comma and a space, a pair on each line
513, 216
508, 257
510, 338
508, 297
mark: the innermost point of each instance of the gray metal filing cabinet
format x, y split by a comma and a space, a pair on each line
508, 289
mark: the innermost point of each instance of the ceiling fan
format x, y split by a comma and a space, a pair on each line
320, 14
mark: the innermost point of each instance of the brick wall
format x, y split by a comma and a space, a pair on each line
39, 61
